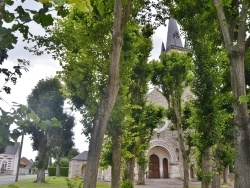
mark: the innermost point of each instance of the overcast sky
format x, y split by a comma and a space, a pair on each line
42, 67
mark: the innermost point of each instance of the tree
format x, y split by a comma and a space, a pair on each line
18, 21
72, 153
232, 16
5, 121
234, 23
151, 116
62, 140
134, 78
47, 102
108, 86
172, 75
138, 129
206, 46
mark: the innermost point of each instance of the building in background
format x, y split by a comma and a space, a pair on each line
164, 154
9, 159
26, 166
77, 165
164, 158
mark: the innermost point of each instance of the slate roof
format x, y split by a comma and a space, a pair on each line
12, 150
82, 156
162, 48
157, 98
173, 38
26, 162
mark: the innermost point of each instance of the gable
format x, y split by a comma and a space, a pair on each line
82, 156
12, 150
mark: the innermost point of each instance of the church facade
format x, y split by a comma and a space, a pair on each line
164, 154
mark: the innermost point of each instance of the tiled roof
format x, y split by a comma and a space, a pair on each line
82, 156
26, 162
12, 150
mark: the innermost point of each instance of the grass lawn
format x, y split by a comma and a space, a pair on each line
52, 182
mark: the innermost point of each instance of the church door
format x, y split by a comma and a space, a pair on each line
154, 167
165, 168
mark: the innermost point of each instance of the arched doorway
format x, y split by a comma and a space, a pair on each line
154, 171
165, 168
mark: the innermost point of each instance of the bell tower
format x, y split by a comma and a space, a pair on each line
173, 38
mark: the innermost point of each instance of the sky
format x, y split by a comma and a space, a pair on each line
42, 67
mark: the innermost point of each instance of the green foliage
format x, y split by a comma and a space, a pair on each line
73, 183
83, 5
72, 153
64, 171
227, 155
62, 141
47, 123
244, 99
127, 184
52, 171
5, 121
64, 162
172, 74
19, 20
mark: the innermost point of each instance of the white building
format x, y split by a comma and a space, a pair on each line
9, 159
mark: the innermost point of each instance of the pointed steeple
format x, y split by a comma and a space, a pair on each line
162, 48
173, 38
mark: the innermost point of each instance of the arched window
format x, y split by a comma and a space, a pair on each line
4, 164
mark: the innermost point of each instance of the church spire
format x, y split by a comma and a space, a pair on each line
173, 38
162, 48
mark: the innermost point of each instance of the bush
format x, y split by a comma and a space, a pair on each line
64, 171
74, 183
127, 184
52, 171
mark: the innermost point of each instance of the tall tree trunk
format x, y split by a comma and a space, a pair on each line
58, 173
141, 174
226, 175
41, 165
236, 53
129, 171
181, 141
216, 174
107, 102
185, 170
40, 175
116, 158
206, 167
241, 124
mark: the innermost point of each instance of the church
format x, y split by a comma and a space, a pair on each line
164, 153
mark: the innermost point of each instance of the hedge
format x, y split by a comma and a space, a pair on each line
64, 171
